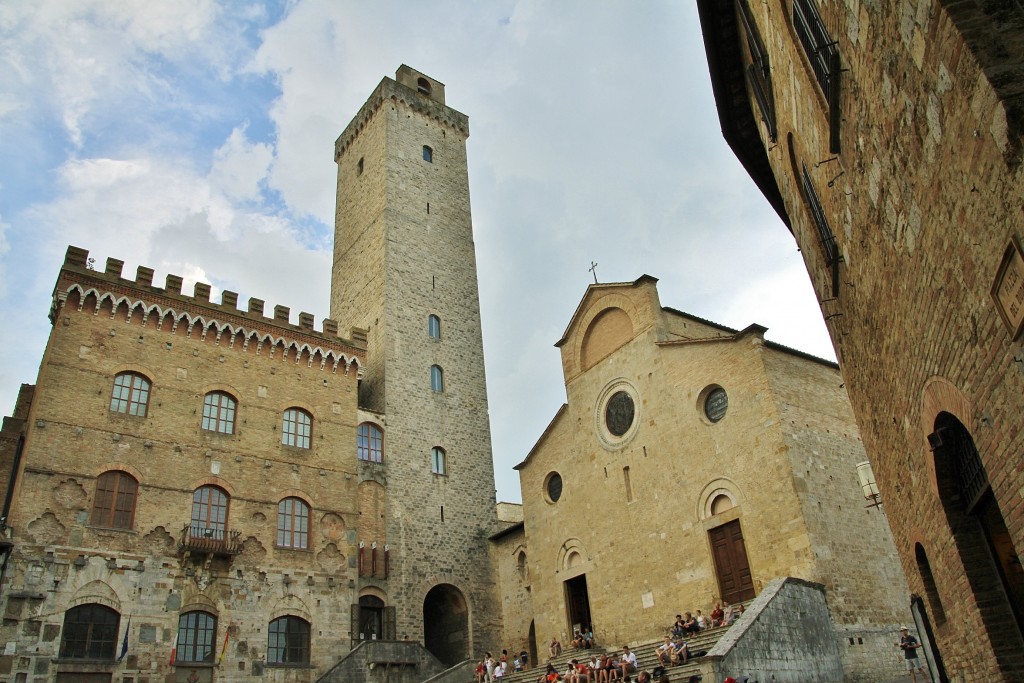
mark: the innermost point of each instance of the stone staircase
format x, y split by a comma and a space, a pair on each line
646, 657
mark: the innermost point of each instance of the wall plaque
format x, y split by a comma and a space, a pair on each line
1008, 288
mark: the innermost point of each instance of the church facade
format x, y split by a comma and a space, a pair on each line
691, 465
889, 138
201, 492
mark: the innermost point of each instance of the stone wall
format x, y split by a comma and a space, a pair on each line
185, 347
923, 199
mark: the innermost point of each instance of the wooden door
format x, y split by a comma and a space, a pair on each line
734, 580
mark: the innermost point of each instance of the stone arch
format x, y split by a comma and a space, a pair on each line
196, 601
446, 624
985, 551
291, 605
597, 308
95, 590
609, 330
709, 502
573, 558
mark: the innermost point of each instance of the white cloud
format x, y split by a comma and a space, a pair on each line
239, 166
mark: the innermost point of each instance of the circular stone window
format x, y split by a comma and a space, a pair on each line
716, 403
619, 413
553, 487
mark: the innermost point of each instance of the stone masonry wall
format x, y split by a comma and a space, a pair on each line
61, 559
923, 198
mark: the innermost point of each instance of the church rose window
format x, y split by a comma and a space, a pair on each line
619, 413
716, 404
553, 487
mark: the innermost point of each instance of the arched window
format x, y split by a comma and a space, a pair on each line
219, 413
289, 641
130, 395
434, 326
370, 442
428, 154
436, 378
197, 632
423, 85
114, 504
297, 428
209, 513
438, 461
90, 632
293, 524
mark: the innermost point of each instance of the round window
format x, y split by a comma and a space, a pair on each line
619, 413
715, 404
553, 487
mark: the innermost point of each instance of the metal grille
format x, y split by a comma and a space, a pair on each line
823, 55
828, 240
758, 71
970, 473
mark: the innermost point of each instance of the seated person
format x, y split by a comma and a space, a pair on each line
680, 653
588, 638
613, 668
702, 621
665, 651
577, 640
555, 648
550, 675
627, 662
570, 672
730, 615
690, 624
525, 657
717, 616
677, 628
582, 672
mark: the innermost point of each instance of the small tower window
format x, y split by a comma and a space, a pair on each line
359, 166
436, 378
428, 154
434, 326
423, 86
438, 461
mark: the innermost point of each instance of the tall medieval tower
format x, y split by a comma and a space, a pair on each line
405, 275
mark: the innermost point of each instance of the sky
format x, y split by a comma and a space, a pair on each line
197, 137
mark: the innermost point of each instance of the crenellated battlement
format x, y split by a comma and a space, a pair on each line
391, 90
79, 280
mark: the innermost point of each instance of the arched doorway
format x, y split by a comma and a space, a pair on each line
986, 549
372, 620
446, 624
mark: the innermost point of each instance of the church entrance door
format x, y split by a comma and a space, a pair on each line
578, 601
734, 580
446, 624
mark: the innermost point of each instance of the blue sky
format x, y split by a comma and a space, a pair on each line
196, 137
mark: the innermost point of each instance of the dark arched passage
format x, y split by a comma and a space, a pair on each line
988, 556
446, 624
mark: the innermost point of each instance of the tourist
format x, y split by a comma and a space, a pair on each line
555, 648
909, 645
702, 621
627, 662
690, 624
489, 664
680, 651
677, 628
717, 616
525, 656
730, 615
588, 638
481, 672
664, 652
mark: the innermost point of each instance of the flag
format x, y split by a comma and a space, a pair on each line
174, 648
224, 647
124, 643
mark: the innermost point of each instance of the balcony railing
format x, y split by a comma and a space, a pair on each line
209, 540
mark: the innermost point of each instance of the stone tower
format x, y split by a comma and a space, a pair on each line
405, 276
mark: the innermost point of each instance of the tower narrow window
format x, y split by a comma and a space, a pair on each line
130, 395
297, 428
436, 378
438, 461
629, 485
434, 326
428, 154
359, 166
370, 443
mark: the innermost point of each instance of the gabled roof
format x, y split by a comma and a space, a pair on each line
543, 436
592, 291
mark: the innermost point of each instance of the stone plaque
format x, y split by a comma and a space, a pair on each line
1008, 288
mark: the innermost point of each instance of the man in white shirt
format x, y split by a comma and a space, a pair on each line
627, 662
